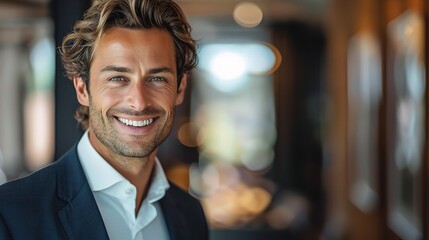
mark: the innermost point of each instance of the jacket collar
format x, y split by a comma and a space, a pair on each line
174, 217
79, 215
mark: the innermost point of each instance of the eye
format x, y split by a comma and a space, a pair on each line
116, 79
157, 79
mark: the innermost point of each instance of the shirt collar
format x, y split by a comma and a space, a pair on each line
101, 175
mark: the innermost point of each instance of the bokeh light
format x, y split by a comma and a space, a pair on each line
230, 64
248, 14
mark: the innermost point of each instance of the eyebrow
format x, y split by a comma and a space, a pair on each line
116, 69
160, 70
112, 68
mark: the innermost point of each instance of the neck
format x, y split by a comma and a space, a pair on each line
138, 171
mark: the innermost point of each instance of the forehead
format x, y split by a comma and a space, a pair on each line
123, 44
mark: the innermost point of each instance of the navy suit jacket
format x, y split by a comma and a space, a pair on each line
56, 202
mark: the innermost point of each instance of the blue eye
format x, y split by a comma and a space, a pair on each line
116, 79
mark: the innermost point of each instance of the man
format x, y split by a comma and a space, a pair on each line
128, 60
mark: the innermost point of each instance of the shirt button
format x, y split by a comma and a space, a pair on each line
128, 191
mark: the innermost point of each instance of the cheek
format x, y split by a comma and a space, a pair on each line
105, 100
168, 101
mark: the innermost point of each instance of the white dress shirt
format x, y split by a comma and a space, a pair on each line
116, 198
2, 177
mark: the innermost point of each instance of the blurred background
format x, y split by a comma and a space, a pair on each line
306, 119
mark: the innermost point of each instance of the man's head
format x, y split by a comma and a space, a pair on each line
77, 50
128, 60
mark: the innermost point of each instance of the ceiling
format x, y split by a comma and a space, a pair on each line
15, 9
203, 13
274, 10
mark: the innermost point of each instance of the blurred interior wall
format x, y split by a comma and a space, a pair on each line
12, 82
299, 89
67, 131
23, 26
396, 201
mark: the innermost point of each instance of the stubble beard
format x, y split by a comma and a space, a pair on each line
105, 132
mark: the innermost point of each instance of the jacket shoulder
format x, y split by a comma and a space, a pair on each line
192, 210
35, 186
40, 179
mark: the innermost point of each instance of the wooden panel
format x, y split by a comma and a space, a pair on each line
364, 99
405, 83
335, 172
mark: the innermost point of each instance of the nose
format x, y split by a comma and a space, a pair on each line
138, 97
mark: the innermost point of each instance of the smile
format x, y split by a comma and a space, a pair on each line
136, 123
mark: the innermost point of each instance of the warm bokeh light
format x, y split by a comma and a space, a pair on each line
187, 134
254, 199
229, 199
39, 134
232, 205
248, 14
218, 138
179, 174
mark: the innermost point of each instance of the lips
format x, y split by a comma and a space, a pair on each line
134, 123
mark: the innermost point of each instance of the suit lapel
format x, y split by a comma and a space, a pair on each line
174, 218
79, 216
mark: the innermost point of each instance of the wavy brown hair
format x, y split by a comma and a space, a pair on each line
77, 48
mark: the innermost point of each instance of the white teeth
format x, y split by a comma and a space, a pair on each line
136, 123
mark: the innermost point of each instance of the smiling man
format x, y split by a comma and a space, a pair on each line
128, 60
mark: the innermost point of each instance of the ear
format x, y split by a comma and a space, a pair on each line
181, 90
81, 92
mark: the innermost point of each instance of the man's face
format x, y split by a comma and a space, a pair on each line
132, 92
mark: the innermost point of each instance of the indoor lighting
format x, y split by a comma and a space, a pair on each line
248, 14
